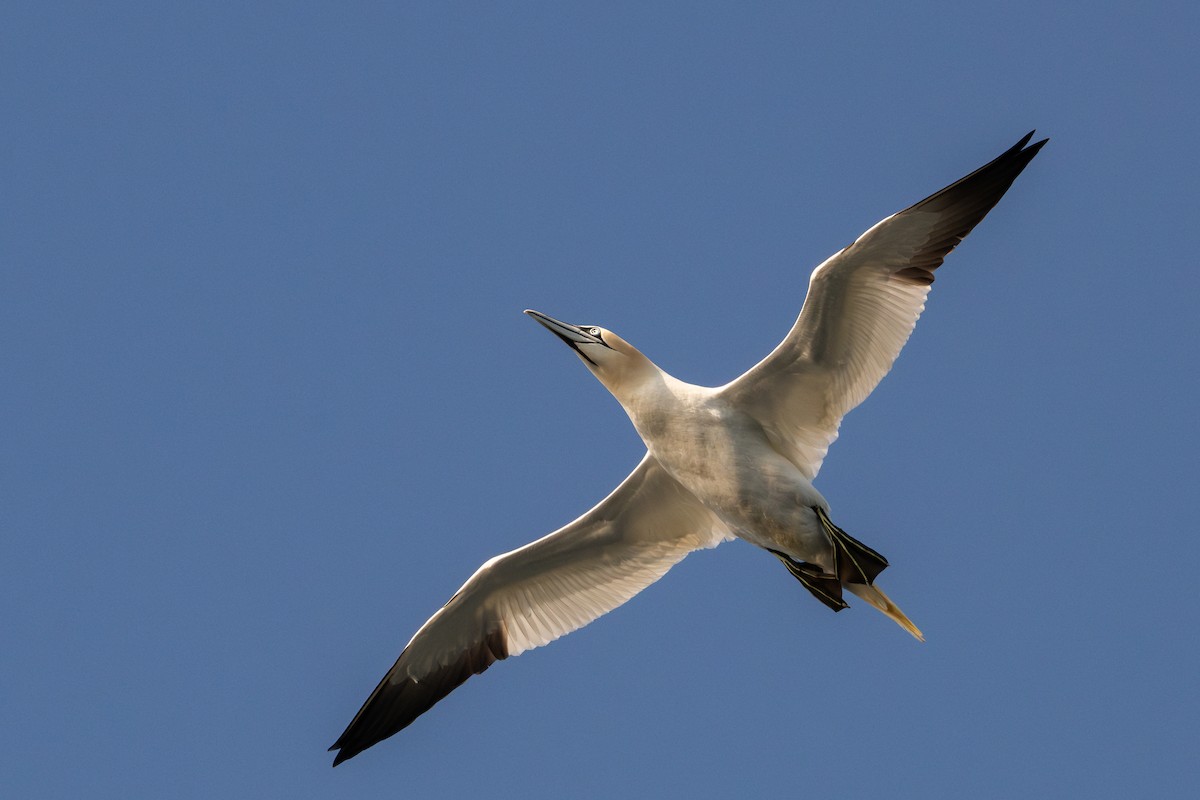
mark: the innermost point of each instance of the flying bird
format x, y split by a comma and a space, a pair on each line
735, 461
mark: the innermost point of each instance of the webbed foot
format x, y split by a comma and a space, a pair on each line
825, 587
854, 562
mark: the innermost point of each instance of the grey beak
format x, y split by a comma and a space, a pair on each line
573, 335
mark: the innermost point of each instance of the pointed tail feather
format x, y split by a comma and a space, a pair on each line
875, 596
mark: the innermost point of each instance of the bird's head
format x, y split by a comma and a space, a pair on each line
617, 364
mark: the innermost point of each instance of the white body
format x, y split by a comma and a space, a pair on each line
722, 455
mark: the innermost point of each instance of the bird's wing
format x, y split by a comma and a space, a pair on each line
537, 593
862, 304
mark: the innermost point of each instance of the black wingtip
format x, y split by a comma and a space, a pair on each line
1036, 145
984, 187
1020, 147
400, 699
344, 753
1025, 140
1026, 150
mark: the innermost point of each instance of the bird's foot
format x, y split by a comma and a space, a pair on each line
825, 587
854, 562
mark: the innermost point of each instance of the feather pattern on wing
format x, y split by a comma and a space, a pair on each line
535, 594
862, 305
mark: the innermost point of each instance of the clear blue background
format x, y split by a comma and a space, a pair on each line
268, 397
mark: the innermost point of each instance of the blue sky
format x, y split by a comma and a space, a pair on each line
268, 396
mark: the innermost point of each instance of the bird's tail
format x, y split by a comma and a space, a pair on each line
875, 596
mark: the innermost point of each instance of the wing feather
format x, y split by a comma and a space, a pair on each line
535, 594
862, 305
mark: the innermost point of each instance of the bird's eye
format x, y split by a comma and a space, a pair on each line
594, 331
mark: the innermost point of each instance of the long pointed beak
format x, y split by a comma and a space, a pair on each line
571, 334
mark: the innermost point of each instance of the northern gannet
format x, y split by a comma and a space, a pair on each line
732, 461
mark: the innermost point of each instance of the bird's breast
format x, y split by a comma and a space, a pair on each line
725, 459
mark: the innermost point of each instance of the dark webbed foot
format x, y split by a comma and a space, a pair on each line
854, 562
825, 587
